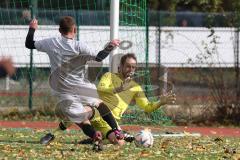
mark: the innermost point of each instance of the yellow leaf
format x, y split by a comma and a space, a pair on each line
20, 153
145, 153
200, 148
164, 144
236, 157
187, 133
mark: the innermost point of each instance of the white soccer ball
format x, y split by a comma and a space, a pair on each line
144, 138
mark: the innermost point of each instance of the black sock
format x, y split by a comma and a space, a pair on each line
107, 116
88, 130
61, 126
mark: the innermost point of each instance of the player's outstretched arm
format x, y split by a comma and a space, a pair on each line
108, 49
148, 107
29, 43
168, 98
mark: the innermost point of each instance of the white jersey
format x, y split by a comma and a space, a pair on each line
68, 59
61, 49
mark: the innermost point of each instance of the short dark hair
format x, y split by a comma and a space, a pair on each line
128, 55
65, 24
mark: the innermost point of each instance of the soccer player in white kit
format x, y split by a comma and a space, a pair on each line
77, 95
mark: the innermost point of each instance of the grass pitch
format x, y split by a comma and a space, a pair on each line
24, 144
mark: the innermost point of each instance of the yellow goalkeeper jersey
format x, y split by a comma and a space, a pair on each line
119, 102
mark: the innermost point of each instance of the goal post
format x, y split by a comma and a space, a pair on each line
114, 30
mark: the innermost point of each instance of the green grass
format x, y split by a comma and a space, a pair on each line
24, 144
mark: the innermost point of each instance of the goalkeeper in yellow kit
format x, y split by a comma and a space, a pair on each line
118, 90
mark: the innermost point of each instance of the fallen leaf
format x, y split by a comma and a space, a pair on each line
165, 144
199, 148
187, 133
145, 153
236, 157
20, 153
218, 139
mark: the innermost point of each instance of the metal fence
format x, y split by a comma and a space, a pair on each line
184, 51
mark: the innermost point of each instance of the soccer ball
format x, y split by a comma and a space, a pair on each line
144, 138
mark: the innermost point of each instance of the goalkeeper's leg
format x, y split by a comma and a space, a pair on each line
107, 116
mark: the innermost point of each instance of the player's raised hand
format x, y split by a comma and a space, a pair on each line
34, 24
115, 42
169, 98
125, 85
112, 45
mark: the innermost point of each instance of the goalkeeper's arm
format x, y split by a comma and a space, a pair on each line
105, 52
148, 106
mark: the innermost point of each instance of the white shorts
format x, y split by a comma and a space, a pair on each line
72, 108
73, 99
74, 91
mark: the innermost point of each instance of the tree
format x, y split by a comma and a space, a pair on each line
227, 109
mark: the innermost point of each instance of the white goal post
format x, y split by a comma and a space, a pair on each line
114, 29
